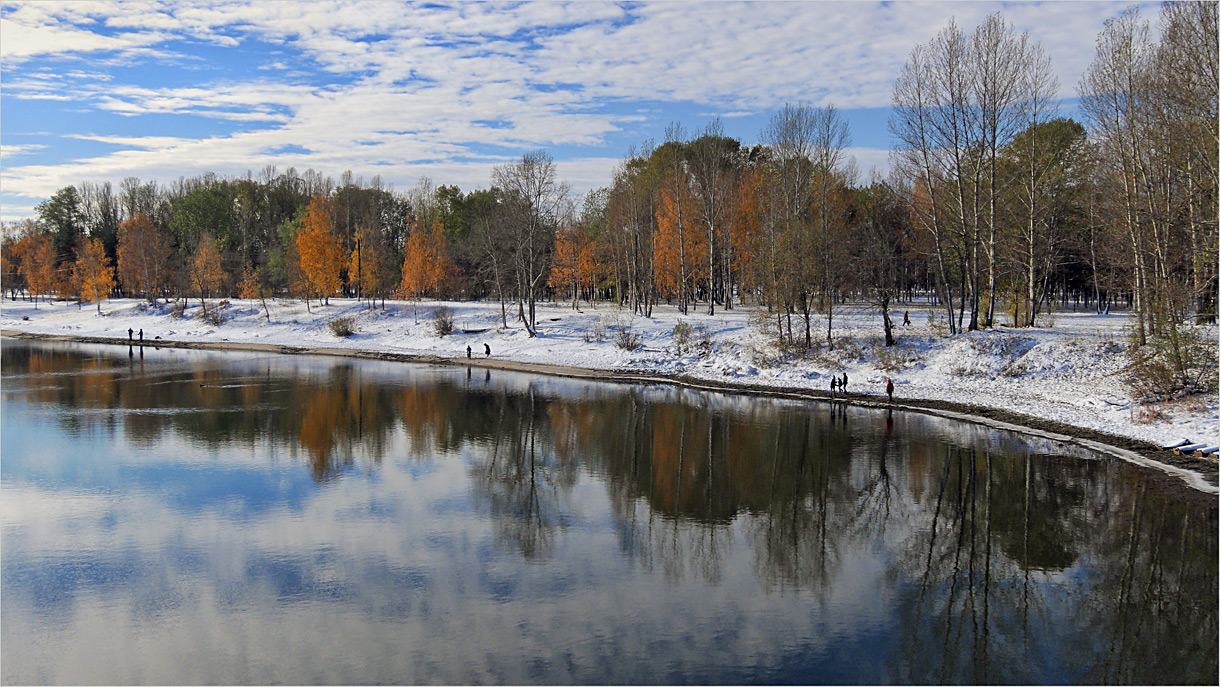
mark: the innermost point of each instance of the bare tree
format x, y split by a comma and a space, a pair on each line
958, 101
917, 157
537, 202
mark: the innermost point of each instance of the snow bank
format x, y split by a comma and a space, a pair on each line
1071, 373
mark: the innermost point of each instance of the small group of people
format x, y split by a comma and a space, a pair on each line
838, 384
131, 333
486, 351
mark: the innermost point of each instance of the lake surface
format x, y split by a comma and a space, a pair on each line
193, 517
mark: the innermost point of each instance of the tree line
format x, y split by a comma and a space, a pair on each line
996, 204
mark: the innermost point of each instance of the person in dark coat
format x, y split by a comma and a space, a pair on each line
906, 318
889, 388
834, 385
130, 332
141, 336
843, 384
487, 349
468, 351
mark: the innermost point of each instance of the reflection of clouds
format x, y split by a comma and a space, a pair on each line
363, 583
227, 564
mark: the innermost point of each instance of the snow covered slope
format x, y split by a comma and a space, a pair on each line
1071, 373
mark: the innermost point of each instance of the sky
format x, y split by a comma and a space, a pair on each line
100, 91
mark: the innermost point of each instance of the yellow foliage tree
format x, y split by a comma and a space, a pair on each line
206, 273
38, 265
318, 248
426, 261
143, 257
573, 262
565, 261
362, 271
679, 251
94, 275
248, 288
251, 287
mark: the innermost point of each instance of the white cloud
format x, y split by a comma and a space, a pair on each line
410, 87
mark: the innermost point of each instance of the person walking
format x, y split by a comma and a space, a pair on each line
843, 384
889, 388
906, 318
487, 350
468, 351
834, 385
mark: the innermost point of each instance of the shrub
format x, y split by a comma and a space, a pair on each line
343, 326
623, 336
764, 322
598, 333
937, 326
214, 317
177, 309
1177, 362
442, 320
889, 358
682, 335
703, 339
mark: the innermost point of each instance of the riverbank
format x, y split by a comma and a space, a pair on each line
1064, 386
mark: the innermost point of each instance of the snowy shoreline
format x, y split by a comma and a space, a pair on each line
1068, 375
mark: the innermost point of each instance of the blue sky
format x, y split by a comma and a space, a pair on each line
99, 91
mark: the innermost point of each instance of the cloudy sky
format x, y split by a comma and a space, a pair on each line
99, 91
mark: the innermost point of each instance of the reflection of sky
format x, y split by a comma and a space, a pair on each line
174, 562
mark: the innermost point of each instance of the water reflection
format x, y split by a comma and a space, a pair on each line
357, 521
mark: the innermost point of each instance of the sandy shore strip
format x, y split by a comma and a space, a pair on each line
1199, 474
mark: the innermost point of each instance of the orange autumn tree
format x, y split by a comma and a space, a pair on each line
38, 265
574, 262
746, 237
248, 288
251, 287
363, 268
679, 251
94, 275
565, 262
318, 247
205, 271
425, 262
143, 257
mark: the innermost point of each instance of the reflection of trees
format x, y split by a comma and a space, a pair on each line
524, 481
799, 531
998, 564
1018, 563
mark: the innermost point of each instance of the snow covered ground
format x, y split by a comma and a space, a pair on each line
1070, 372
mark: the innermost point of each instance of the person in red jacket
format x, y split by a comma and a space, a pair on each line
889, 388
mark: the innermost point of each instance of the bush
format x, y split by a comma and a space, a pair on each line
214, 317
685, 336
598, 333
177, 309
343, 326
623, 337
626, 340
682, 334
703, 339
937, 326
442, 320
889, 358
764, 322
1174, 363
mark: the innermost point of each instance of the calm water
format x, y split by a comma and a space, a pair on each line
197, 517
